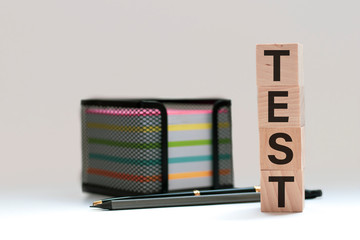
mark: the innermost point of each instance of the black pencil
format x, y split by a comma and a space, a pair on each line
189, 198
179, 201
179, 194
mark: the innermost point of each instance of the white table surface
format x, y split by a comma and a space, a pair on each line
47, 213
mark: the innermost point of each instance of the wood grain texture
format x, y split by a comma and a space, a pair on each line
294, 195
295, 106
296, 145
291, 67
279, 71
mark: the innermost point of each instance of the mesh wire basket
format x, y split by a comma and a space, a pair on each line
127, 146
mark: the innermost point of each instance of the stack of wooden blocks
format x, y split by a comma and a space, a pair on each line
279, 70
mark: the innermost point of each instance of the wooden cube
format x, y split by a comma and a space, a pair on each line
282, 191
282, 148
281, 107
279, 64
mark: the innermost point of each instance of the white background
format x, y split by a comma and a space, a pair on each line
53, 53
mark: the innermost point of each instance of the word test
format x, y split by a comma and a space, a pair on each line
279, 73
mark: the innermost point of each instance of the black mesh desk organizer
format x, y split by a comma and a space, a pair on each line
137, 146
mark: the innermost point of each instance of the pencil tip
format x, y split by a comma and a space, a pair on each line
97, 203
104, 205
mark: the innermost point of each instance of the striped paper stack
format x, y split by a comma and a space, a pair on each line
122, 148
190, 146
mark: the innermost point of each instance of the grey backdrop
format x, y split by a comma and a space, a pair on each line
55, 53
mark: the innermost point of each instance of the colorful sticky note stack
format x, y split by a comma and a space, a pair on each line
122, 148
190, 148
